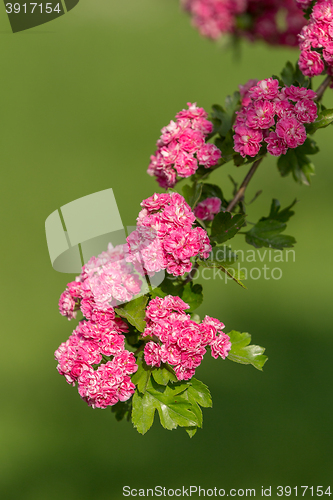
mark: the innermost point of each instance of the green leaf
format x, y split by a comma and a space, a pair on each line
195, 408
157, 292
296, 162
134, 311
192, 295
238, 160
225, 226
223, 117
266, 233
232, 103
280, 215
211, 191
300, 79
287, 74
169, 286
177, 405
191, 431
164, 375
234, 274
141, 377
226, 146
223, 254
200, 393
292, 75
122, 410
242, 352
325, 118
192, 193
143, 411
173, 409
221, 120
195, 317
197, 394
309, 147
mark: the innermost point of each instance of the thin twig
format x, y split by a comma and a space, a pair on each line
240, 193
192, 273
139, 349
322, 87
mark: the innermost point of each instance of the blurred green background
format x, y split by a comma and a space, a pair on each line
83, 101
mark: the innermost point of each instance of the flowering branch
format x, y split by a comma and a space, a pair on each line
240, 193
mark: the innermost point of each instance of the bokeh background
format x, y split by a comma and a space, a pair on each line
83, 100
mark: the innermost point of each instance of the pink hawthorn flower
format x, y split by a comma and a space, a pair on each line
275, 116
275, 145
261, 114
214, 18
323, 11
208, 155
104, 281
247, 140
303, 4
311, 63
182, 147
105, 386
170, 220
67, 305
221, 346
267, 89
291, 131
306, 111
206, 209
315, 40
298, 93
181, 342
153, 354
244, 91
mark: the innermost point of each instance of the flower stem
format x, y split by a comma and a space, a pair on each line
192, 273
240, 193
322, 87
139, 349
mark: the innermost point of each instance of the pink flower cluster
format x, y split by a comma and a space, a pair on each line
90, 341
303, 4
182, 147
274, 116
214, 18
169, 219
266, 21
179, 341
316, 40
206, 209
105, 281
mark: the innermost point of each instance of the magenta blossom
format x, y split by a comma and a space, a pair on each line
206, 209
182, 147
215, 18
178, 340
275, 116
165, 237
315, 40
